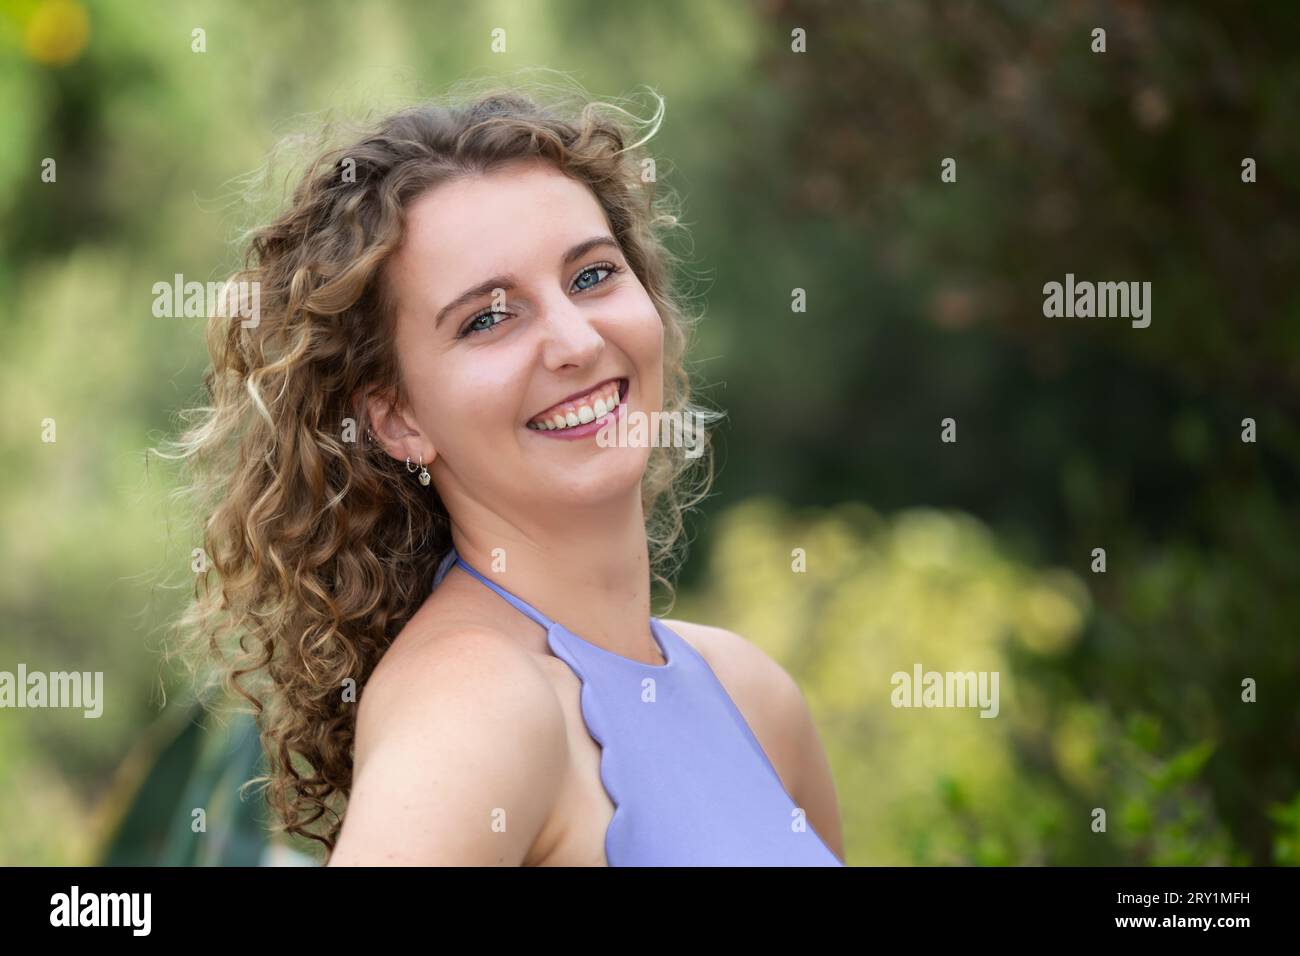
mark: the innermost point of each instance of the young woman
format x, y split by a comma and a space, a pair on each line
438, 569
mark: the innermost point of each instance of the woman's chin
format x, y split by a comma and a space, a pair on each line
609, 476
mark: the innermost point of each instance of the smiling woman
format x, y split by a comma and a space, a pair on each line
463, 285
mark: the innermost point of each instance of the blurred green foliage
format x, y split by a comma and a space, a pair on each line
819, 171
946, 786
190, 809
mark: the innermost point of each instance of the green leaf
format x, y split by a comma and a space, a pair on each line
141, 836
1186, 765
204, 766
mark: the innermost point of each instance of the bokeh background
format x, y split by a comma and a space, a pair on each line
818, 171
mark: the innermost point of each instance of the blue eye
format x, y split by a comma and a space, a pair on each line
598, 267
470, 327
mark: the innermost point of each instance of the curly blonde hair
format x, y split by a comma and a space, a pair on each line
318, 547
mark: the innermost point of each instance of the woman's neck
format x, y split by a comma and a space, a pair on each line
591, 574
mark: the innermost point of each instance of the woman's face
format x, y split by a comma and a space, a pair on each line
570, 317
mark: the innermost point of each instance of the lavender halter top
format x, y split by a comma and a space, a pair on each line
690, 783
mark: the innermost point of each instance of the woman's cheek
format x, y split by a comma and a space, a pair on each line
655, 363
649, 331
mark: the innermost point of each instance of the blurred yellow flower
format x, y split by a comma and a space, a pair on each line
1050, 618
57, 32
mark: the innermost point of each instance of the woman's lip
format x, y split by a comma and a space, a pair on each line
575, 395
584, 430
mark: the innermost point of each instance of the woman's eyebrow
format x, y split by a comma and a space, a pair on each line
509, 281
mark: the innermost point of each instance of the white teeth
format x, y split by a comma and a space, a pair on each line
601, 407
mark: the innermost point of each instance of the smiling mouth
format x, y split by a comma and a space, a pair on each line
596, 404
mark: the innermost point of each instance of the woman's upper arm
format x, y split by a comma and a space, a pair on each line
814, 788
460, 757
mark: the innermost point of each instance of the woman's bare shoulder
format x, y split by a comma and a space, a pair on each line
750, 668
460, 751
763, 691
433, 654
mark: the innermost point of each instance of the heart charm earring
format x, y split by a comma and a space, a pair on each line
425, 477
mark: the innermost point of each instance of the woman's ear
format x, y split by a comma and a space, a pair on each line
395, 430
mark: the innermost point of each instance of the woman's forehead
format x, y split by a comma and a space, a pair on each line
494, 222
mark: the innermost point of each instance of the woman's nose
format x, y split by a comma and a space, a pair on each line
569, 337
